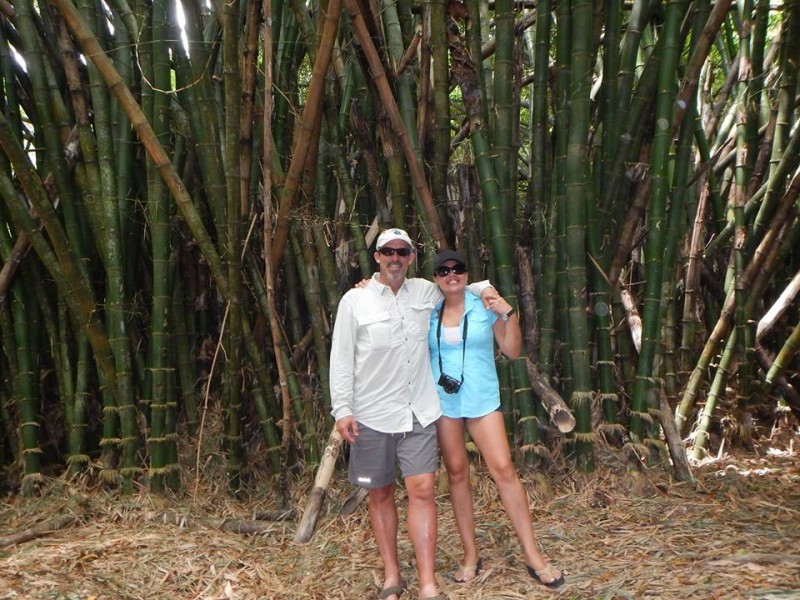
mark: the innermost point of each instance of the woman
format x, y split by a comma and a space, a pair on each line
462, 357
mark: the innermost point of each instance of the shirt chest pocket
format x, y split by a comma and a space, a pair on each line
378, 331
417, 321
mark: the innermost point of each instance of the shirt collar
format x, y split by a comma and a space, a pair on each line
382, 288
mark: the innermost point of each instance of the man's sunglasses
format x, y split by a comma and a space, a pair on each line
393, 251
445, 271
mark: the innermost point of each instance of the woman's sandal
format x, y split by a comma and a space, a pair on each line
463, 573
392, 590
548, 571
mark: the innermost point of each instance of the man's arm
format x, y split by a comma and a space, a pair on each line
431, 291
483, 289
342, 360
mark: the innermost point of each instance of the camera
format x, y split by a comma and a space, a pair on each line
449, 384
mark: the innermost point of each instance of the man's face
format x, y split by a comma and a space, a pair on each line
393, 267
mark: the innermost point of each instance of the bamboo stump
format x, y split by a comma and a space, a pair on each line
559, 412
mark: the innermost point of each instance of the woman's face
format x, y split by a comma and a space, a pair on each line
451, 276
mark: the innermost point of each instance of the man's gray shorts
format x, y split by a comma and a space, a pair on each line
375, 455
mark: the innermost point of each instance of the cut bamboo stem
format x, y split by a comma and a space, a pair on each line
305, 530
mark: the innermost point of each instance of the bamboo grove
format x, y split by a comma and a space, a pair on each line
187, 189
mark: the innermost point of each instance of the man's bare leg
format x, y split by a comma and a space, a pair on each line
422, 529
383, 518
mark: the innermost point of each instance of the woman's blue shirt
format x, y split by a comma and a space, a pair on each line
480, 393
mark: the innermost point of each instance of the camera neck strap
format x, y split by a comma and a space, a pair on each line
463, 340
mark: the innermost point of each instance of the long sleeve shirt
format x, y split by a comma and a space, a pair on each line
380, 370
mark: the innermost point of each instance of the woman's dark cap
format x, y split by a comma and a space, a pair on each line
445, 255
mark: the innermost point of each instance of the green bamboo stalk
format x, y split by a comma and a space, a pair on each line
161, 343
26, 383
562, 78
288, 56
437, 108
576, 199
246, 125
643, 397
186, 367
505, 110
8, 370
725, 366
78, 459
232, 242
600, 292
531, 213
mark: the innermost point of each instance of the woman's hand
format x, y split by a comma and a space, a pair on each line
361, 284
499, 305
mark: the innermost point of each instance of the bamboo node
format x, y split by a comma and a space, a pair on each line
110, 476
580, 399
131, 471
616, 428
639, 450
655, 443
644, 416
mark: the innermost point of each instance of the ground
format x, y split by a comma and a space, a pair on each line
733, 533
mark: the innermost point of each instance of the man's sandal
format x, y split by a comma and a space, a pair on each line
392, 590
465, 574
549, 572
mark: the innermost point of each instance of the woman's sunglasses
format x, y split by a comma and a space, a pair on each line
393, 251
445, 271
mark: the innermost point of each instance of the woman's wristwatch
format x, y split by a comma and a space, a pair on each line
507, 316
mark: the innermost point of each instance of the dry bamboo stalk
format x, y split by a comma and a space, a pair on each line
305, 530
674, 442
555, 406
38, 531
351, 504
779, 307
632, 317
245, 526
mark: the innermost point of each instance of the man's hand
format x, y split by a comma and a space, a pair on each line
348, 429
489, 296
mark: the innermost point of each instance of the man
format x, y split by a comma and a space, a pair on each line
385, 403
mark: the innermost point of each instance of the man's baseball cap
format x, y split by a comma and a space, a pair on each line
445, 255
393, 234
